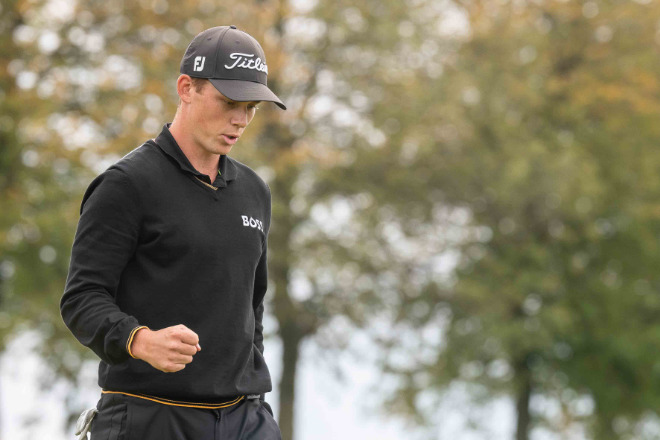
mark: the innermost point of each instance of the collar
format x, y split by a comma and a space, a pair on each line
168, 144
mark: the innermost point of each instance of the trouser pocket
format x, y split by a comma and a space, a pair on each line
111, 421
273, 432
252, 421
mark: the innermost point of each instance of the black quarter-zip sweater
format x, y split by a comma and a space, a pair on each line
158, 244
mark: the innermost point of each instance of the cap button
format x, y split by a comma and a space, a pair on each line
232, 27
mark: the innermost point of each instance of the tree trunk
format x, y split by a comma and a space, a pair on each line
523, 396
294, 322
291, 338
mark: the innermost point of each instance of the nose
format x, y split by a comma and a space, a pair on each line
240, 117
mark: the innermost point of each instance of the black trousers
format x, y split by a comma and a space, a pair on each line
122, 417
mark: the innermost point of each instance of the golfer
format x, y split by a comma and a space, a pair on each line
168, 268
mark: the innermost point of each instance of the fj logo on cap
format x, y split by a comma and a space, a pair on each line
252, 222
247, 61
199, 64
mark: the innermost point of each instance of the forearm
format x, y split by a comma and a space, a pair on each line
98, 323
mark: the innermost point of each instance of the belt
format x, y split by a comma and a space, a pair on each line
184, 403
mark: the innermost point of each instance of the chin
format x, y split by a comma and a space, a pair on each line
224, 149
218, 148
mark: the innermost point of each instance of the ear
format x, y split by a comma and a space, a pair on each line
184, 88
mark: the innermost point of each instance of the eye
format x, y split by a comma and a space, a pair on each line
230, 103
253, 107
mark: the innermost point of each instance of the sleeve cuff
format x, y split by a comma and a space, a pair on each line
130, 339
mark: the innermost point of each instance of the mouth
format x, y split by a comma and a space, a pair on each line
230, 139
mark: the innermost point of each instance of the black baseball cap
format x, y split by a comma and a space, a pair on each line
233, 61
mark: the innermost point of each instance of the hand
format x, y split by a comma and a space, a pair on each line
168, 350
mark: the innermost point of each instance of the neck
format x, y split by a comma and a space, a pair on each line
202, 160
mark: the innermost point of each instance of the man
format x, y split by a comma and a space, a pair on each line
168, 268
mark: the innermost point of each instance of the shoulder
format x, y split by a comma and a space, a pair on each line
140, 162
136, 166
124, 177
247, 176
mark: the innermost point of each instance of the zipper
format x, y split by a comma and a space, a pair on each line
216, 434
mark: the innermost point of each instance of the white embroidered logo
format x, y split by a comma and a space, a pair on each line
199, 64
247, 61
252, 223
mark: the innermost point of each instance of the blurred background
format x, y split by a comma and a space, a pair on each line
466, 206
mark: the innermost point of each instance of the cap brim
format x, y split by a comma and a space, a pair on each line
238, 90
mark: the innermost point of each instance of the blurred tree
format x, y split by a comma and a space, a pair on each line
86, 82
347, 77
36, 178
508, 141
542, 141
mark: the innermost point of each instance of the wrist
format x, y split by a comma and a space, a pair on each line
136, 341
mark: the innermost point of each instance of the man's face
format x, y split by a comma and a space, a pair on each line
217, 121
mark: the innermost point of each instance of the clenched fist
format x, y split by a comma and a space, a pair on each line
168, 350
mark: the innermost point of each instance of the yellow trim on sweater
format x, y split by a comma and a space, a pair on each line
207, 184
178, 402
130, 339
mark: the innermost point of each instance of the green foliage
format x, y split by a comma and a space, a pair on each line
545, 141
483, 202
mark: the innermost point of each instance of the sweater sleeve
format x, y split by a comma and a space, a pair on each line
261, 282
105, 241
260, 286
